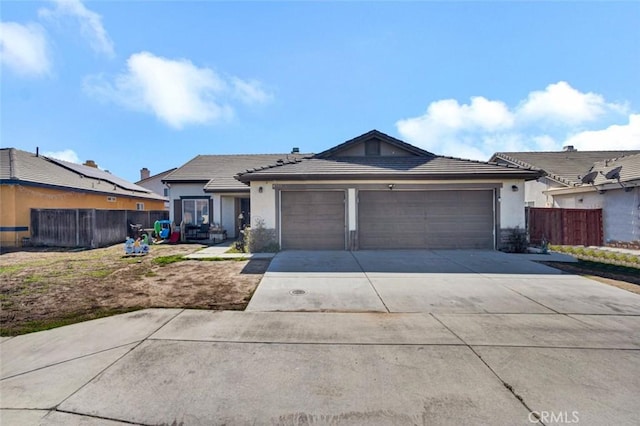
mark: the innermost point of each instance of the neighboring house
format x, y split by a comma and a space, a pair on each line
154, 183
204, 191
578, 179
562, 169
32, 181
378, 192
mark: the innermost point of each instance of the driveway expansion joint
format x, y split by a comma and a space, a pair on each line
136, 342
504, 383
119, 358
533, 300
370, 282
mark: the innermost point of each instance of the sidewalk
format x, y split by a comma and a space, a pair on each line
169, 366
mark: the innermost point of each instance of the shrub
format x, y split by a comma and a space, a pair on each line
261, 239
516, 240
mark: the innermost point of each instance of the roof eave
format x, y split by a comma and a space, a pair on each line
526, 175
172, 181
140, 196
225, 190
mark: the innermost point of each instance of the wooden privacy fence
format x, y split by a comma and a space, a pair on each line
565, 226
89, 228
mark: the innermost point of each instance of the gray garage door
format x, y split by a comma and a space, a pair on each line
425, 219
313, 220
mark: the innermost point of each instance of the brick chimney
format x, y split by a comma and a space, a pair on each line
90, 163
144, 173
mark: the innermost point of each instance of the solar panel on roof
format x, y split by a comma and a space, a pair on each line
99, 174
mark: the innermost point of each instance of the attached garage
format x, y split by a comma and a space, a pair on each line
312, 220
448, 219
378, 192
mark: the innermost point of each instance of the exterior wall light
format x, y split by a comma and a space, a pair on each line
260, 189
514, 188
390, 186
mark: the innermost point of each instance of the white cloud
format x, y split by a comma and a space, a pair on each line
249, 92
616, 136
478, 129
561, 103
65, 155
90, 23
176, 91
24, 48
446, 117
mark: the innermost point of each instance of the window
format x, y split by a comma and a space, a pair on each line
372, 147
166, 192
139, 206
195, 211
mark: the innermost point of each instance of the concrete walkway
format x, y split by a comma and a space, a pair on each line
571, 355
219, 251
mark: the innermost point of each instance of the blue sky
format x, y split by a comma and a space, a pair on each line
153, 84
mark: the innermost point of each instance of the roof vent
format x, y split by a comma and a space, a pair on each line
568, 148
295, 150
90, 163
280, 161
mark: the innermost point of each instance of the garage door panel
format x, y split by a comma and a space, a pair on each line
313, 220
425, 219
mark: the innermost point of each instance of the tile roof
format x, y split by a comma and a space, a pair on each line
629, 170
561, 166
22, 166
217, 172
409, 167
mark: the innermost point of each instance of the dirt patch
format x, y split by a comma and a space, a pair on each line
622, 277
41, 288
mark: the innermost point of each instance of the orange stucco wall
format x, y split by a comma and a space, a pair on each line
16, 202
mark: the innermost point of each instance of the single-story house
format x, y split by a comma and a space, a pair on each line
204, 192
562, 169
378, 192
32, 181
607, 180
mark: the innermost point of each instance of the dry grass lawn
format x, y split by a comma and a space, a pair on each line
44, 289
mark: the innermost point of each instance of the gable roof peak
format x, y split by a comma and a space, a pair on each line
374, 134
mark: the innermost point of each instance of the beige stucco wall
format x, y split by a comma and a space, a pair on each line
535, 192
263, 204
512, 204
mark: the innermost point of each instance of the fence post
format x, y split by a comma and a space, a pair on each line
92, 224
77, 227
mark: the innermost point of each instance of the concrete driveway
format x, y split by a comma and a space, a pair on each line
434, 281
441, 338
